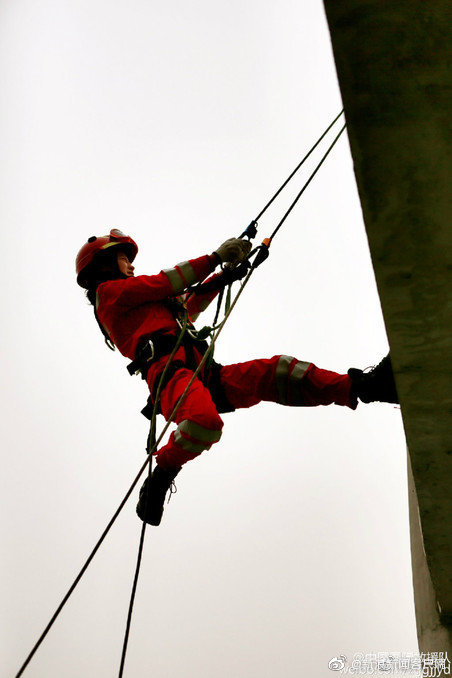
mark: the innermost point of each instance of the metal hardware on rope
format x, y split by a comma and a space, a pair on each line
250, 231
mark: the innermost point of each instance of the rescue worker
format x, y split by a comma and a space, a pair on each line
141, 317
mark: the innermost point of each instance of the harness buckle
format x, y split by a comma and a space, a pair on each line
146, 354
151, 344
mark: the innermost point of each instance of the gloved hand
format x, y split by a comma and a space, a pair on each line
233, 250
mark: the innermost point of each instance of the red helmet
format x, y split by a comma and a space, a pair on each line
96, 245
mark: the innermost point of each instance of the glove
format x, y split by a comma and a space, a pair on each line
233, 250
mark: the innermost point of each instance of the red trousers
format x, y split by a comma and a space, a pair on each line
281, 379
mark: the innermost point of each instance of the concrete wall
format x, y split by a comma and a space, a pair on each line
434, 636
391, 59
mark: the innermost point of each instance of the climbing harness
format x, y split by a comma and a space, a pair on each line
159, 345
243, 272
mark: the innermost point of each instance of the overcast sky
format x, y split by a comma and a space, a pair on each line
288, 543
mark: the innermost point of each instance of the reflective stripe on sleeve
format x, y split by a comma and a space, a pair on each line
188, 273
181, 276
175, 279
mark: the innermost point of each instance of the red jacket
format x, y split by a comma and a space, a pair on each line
134, 307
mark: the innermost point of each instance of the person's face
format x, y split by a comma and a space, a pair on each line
124, 264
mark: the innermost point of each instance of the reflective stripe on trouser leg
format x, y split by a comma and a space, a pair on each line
195, 438
285, 380
275, 380
182, 447
288, 375
199, 424
301, 383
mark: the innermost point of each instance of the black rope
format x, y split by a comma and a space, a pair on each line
146, 462
219, 302
132, 600
262, 251
93, 552
306, 184
298, 167
151, 443
251, 231
82, 571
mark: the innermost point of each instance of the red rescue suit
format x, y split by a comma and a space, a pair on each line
134, 308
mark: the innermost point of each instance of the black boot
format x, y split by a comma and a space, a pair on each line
376, 385
153, 493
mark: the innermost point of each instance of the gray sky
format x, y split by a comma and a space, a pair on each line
288, 543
